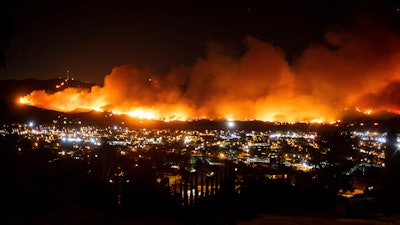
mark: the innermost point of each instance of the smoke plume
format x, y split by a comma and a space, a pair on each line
353, 68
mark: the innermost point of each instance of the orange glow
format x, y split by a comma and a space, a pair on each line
24, 100
362, 71
142, 114
365, 111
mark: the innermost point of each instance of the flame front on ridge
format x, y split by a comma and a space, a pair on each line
258, 85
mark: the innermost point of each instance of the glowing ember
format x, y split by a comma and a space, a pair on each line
367, 111
260, 84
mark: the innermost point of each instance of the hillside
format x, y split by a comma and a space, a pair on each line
13, 112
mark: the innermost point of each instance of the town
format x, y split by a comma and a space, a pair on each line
114, 154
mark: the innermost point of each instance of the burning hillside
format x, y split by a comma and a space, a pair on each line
353, 69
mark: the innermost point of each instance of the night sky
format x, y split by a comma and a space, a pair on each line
45, 38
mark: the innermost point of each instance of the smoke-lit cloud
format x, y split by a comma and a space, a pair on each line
354, 68
358, 62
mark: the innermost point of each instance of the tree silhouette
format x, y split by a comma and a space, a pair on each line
391, 185
337, 150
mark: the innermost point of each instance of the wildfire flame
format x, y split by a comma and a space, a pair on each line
362, 70
25, 100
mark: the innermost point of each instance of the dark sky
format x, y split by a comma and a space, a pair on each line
88, 38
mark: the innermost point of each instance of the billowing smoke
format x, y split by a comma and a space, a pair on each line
387, 98
354, 68
357, 63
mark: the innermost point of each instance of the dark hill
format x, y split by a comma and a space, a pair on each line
12, 90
